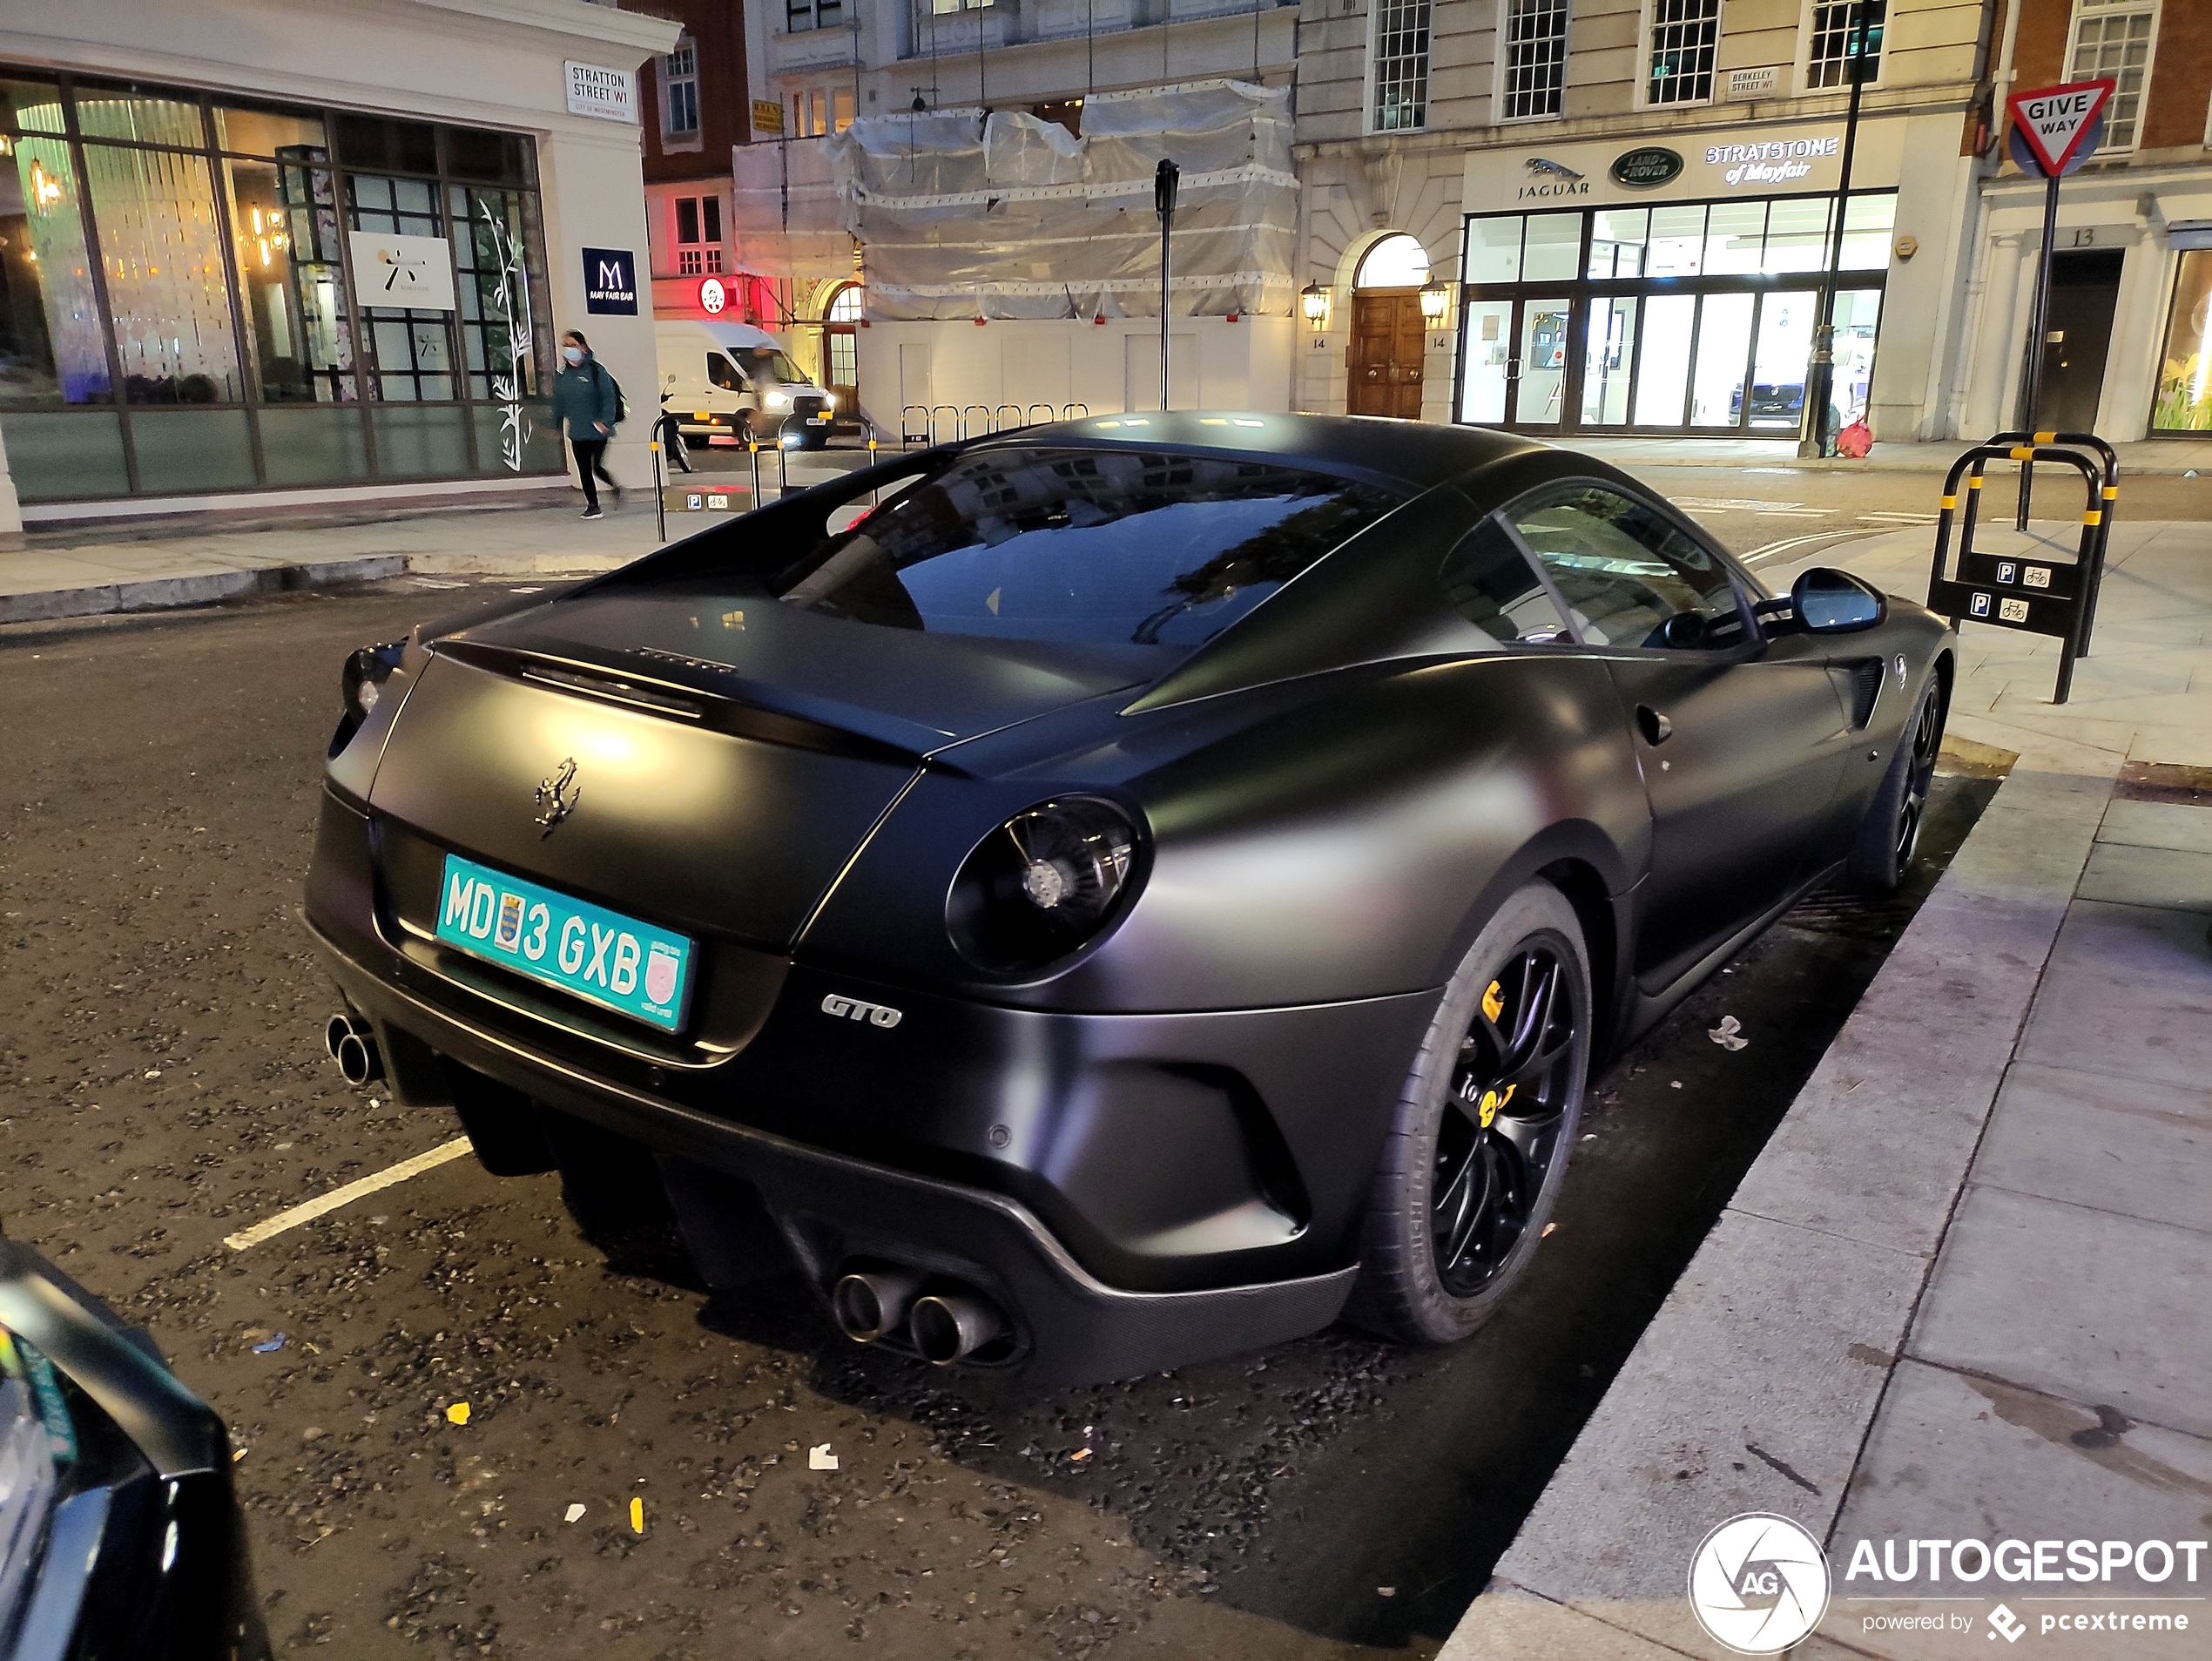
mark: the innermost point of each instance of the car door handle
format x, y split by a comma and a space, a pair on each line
1655, 727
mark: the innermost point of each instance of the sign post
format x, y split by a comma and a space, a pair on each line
1820, 377
1164, 179
2053, 131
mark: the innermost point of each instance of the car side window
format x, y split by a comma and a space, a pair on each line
1630, 577
1490, 583
722, 373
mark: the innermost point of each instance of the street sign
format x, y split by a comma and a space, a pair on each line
2054, 123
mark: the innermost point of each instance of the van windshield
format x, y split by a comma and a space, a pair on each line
770, 364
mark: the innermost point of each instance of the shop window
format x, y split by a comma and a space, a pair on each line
1618, 238
292, 275
267, 132
136, 116
377, 143
29, 106
680, 91
1553, 249
1493, 249
1677, 241
499, 283
1534, 62
840, 109
1797, 236
1401, 64
1685, 37
800, 15
1834, 34
51, 349
2113, 38
161, 251
410, 350
2184, 403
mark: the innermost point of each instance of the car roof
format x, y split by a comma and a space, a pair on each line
1415, 454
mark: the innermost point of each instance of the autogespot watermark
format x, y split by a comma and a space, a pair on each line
1760, 1583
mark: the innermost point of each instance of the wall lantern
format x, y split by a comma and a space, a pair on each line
1436, 300
1313, 300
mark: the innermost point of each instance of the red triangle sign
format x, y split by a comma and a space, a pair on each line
2055, 120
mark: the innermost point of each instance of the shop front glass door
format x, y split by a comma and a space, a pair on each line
1662, 366
1723, 353
1784, 348
1543, 339
1485, 383
1858, 311
1610, 360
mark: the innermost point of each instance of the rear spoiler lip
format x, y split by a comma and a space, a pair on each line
716, 709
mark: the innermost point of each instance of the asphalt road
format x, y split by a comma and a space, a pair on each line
163, 1085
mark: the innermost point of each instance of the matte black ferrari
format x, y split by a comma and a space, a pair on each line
1116, 892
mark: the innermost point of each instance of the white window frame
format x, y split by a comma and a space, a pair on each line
689, 138
2150, 62
1498, 92
1370, 113
811, 11
1646, 25
1805, 88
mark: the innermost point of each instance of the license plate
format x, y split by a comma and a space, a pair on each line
587, 951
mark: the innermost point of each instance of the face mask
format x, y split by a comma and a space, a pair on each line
574, 354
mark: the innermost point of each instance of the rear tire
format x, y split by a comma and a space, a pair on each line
1472, 1164
741, 429
1889, 837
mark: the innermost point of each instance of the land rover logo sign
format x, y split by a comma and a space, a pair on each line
1646, 168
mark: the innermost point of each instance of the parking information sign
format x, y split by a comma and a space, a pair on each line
2057, 126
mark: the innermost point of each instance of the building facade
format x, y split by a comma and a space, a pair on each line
2126, 349
333, 269
1614, 216
818, 66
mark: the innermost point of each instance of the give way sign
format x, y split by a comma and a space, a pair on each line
2054, 122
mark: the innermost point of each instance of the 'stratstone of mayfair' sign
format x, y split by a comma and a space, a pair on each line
1646, 168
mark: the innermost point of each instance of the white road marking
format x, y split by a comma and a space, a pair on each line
1902, 518
347, 1195
1758, 554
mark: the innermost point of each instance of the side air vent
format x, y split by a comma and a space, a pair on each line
1865, 688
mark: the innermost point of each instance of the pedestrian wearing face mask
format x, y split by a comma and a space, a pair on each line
585, 405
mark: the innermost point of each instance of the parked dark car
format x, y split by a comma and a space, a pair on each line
119, 1536
1770, 404
1151, 886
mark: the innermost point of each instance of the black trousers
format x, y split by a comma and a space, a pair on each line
590, 459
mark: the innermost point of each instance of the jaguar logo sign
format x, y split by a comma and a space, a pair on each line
1646, 168
1549, 178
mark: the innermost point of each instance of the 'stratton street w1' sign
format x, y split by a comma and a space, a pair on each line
2056, 120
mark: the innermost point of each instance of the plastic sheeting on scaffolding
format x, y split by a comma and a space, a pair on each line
962, 216
785, 219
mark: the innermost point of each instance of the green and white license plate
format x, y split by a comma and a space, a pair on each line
585, 950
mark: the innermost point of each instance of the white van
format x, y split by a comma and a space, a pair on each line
737, 380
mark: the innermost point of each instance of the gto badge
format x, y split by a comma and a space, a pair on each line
557, 796
852, 1009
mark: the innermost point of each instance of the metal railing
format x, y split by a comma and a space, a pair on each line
947, 423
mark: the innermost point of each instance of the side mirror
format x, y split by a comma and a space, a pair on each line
1832, 602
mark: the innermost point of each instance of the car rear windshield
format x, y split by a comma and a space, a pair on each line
1102, 546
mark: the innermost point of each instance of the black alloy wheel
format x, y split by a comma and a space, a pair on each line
1925, 739
1477, 1152
1508, 1098
1889, 837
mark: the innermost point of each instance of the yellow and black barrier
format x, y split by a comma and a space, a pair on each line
2045, 596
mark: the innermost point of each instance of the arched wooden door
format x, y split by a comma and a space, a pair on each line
840, 350
1389, 336
1387, 342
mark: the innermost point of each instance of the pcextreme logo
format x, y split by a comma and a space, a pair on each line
1758, 1583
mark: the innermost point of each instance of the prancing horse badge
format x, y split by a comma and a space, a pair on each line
558, 795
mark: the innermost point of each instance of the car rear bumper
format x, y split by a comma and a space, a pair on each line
1136, 1191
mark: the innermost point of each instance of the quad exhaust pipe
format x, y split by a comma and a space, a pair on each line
351, 1043
948, 1325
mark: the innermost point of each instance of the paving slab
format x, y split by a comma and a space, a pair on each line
2158, 824
2146, 973
1520, 1626
2118, 1145
2126, 873
2076, 1302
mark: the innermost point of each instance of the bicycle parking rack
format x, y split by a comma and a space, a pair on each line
927, 423
913, 426
2022, 592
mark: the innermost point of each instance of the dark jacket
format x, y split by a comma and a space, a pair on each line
583, 400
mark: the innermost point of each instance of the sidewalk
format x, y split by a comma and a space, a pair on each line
2161, 457
1962, 1293
91, 570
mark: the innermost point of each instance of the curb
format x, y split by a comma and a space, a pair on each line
169, 593
1755, 1385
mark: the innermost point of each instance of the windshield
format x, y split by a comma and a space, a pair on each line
767, 363
1100, 546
